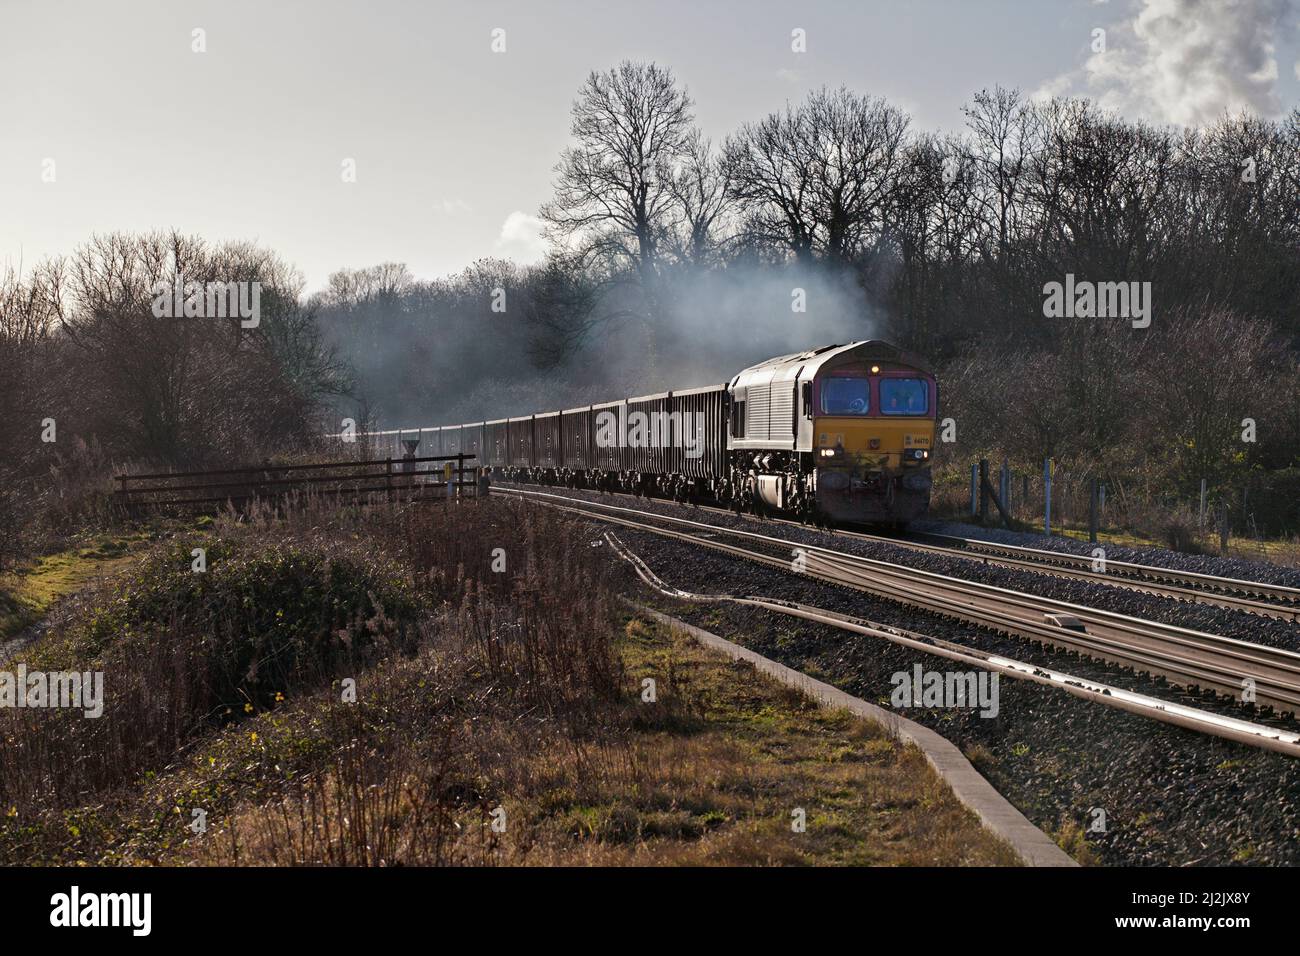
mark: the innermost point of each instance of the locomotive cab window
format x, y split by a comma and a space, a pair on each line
846, 395
904, 396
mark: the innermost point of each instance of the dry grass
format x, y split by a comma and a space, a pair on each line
517, 701
726, 756
709, 774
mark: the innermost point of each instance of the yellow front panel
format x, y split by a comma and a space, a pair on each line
891, 435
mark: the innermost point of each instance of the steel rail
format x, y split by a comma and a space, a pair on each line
1187, 582
1230, 728
1267, 600
1196, 659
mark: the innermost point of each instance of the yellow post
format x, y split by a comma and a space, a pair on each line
447, 469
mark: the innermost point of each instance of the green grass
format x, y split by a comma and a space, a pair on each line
28, 593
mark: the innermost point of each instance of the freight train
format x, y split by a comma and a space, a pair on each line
843, 433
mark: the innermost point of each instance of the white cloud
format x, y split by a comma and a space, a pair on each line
452, 207
1062, 85
1185, 62
522, 238
1297, 69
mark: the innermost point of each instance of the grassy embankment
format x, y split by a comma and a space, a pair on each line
1138, 526
498, 717
29, 591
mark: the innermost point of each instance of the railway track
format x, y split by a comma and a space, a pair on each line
1251, 597
1230, 728
1193, 659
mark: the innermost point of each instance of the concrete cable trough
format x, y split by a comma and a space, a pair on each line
994, 810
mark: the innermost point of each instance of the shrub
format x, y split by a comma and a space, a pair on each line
182, 651
273, 616
1179, 532
1272, 502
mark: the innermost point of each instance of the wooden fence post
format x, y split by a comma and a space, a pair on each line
984, 492
1092, 510
987, 492
1047, 496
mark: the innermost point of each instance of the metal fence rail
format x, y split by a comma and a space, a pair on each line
394, 478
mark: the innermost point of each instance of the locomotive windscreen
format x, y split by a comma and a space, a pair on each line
904, 396
846, 395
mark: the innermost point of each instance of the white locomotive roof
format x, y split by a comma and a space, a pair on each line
807, 364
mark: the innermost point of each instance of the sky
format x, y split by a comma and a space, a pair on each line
113, 121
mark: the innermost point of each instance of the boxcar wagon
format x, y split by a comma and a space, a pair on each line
843, 432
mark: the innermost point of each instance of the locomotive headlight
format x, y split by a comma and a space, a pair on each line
828, 452
918, 454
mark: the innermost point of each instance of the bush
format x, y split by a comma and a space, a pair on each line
1272, 502
1179, 532
239, 661
181, 652
273, 616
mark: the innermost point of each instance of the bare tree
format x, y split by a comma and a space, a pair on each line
29, 309
614, 189
187, 390
1000, 147
703, 202
819, 179
1213, 370
386, 281
1099, 187
560, 309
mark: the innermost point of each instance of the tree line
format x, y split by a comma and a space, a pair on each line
949, 242
93, 377
674, 260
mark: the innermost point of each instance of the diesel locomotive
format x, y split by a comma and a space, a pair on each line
842, 433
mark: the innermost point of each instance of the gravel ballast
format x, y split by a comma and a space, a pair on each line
1170, 796
1238, 568
1121, 600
